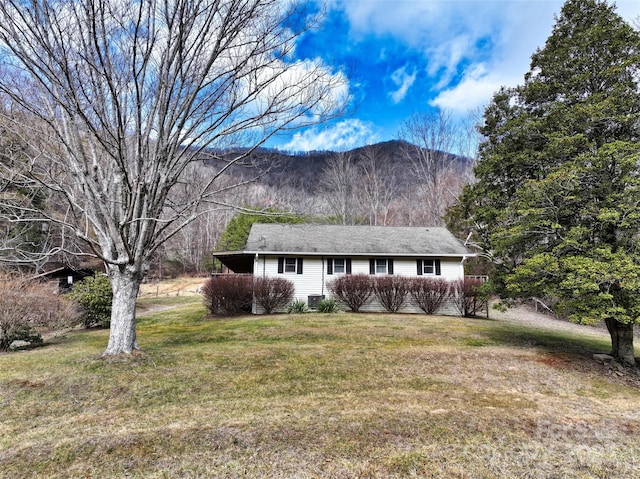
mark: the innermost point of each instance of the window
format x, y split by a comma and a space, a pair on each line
381, 266
338, 265
429, 267
289, 265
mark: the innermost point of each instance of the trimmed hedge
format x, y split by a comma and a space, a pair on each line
229, 294
391, 291
272, 293
429, 294
234, 294
354, 290
470, 296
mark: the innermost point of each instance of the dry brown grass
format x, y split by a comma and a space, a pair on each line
182, 286
322, 396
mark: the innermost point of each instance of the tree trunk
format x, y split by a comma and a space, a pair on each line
122, 335
621, 341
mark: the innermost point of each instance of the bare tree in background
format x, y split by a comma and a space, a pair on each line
469, 141
338, 179
432, 143
26, 239
119, 97
376, 185
189, 251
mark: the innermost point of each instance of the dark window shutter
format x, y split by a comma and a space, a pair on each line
438, 270
299, 266
420, 269
280, 265
348, 265
329, 265
372, 266
390, 266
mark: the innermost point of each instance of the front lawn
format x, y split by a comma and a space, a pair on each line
318, 395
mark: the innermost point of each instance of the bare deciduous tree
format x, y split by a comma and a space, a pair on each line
121, 96
433, 142
338, 179
376, 183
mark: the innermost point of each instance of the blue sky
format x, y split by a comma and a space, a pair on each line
410, 56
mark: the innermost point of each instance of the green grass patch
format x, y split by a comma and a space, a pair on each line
316, 395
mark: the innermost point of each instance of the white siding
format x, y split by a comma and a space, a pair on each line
447, 309
314, 277
451, 268
309, 283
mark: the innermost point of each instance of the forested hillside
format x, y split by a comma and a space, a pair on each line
367, 185
390, 183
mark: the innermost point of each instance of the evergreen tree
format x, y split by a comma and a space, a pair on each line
557, 197
235, 235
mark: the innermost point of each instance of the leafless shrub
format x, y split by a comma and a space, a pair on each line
28, 308
469, 295
391, 291
272, 293
353, 290
429, 293
228, 294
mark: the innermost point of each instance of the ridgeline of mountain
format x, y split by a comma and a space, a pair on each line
307, 167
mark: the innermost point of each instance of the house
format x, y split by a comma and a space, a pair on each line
310, 255
66, 276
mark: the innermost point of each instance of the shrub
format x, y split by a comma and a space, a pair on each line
354, 290
298, 307
27, 307
391, 291
11, 331
94, 295
228, 294
329, 305
272, 293
429, 293
470, 295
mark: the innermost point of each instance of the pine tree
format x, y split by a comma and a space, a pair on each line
557, 197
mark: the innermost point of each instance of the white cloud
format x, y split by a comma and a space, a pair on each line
342, 136
466, 49
475, 90
399, 19
443, 59
501, 34
307, 82
403, 81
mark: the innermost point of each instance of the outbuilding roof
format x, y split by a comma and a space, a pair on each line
337, 240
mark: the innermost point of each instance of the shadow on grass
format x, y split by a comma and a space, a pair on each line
556, 342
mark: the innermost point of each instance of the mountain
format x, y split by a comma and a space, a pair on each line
395, 155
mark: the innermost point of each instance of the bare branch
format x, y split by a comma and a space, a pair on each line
118, 97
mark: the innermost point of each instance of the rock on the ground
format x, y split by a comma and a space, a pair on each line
603, 358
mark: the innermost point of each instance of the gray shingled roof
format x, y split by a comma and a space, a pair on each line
353, 240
